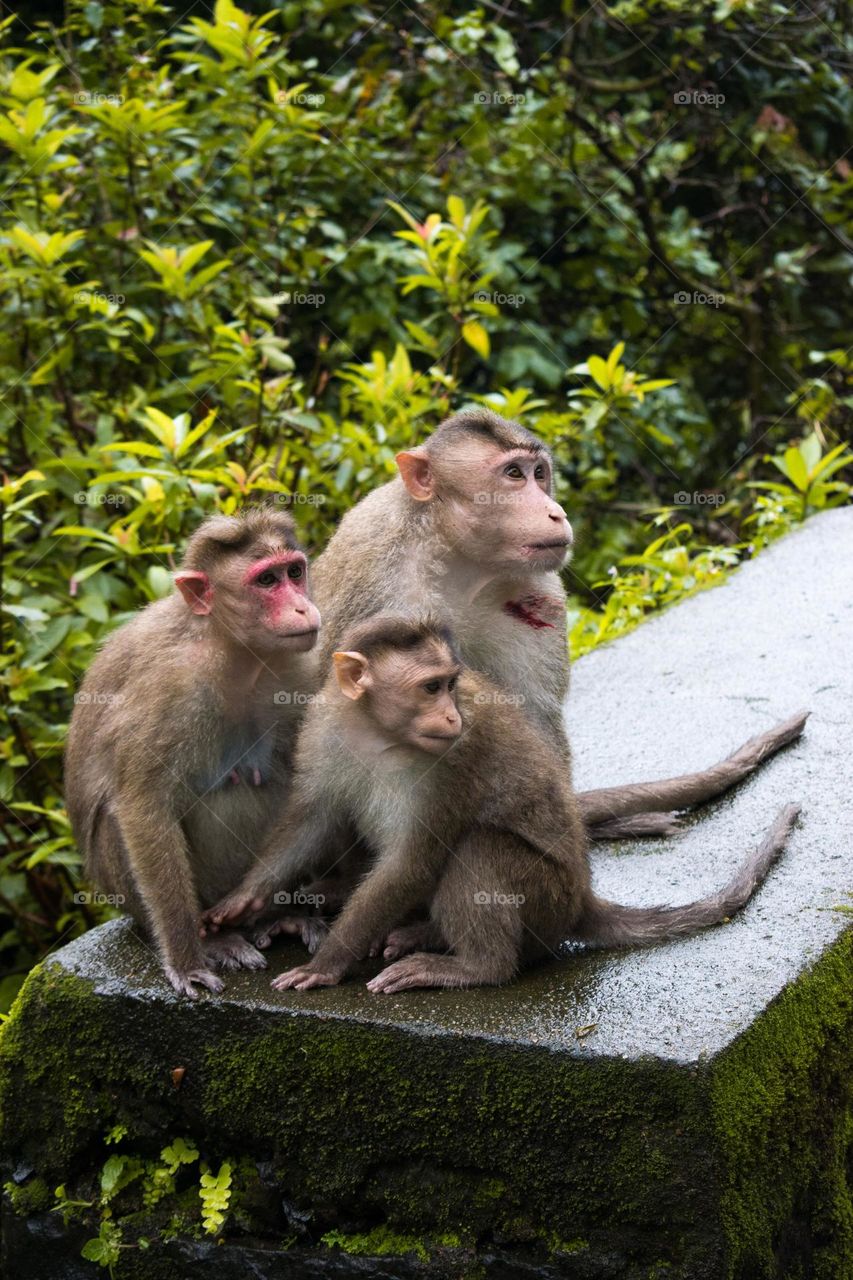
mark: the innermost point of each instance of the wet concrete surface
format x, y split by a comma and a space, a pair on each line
682, 691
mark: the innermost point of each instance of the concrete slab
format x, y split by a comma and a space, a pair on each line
675, 1111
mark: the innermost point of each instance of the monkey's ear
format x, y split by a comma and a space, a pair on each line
195, 587
417, 475
352, 674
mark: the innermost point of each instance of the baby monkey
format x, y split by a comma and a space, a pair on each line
469, 812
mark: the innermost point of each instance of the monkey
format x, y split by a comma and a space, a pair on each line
180, 744
467, 806
470, 529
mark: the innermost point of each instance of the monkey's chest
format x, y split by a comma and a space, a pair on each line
387, 806
243, 759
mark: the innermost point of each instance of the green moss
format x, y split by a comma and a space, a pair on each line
379, 1243
556, 1245
470, 1148
34, 1196
782, 1099
732, 1169
45, 1089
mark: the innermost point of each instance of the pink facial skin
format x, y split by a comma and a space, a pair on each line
286, 607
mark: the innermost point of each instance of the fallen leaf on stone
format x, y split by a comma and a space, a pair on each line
582, 1032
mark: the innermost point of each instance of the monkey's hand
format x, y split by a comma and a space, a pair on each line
311, 929
415, 971
239, 907
307, 976
183, 979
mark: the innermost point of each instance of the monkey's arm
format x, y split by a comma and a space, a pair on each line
402, 878
602, 806
161, 873
299, 841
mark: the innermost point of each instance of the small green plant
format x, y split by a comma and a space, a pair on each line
808, 471
105, 1247
215, 1195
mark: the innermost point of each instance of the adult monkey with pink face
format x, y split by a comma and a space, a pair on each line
179, 752
470, 529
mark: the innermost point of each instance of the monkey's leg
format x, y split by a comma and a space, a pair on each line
475, 908
404, 876
599, 808
159, 876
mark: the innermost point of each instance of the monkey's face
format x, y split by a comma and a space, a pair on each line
258, 599
278, 608
410, 697
496, 507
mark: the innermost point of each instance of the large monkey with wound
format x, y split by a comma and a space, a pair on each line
179, 751
471, 530
467, 808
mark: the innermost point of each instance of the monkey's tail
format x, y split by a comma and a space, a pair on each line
606, 923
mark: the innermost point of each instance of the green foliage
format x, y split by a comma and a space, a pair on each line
135, 1183
252, 255
669, 569
104, 1248
807, 471
215, 1195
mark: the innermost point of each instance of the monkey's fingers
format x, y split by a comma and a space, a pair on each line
234, 909
414, 971
303, 978
311, 929
182, 981
230, 951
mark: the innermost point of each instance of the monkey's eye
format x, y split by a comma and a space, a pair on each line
539, 473
266, 579
295, 571
432, 686
514, 471
451, 684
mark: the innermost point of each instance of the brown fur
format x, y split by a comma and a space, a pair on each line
393, 552
171, 705
486, 830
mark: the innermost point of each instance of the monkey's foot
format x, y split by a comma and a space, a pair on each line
231, 951
422, 935
311, 929
304, 978
182, 980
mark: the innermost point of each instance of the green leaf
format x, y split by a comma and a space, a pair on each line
599, 372
136, 448
456, 209
476, 337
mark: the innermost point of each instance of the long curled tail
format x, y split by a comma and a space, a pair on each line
601, 807
606, 923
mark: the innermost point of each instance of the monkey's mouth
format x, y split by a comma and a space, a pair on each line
556, 544
299, 635
431, 741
